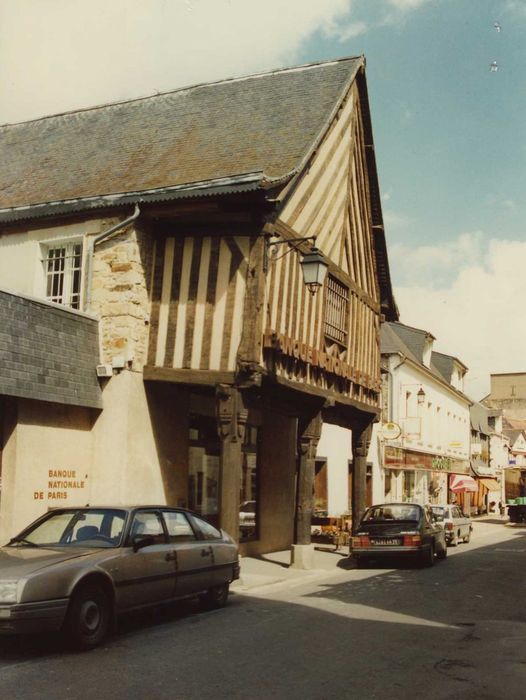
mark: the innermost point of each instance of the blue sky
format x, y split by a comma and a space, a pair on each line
450, 135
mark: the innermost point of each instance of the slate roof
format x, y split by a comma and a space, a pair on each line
396, 337
240, 132
48, 352
478, 415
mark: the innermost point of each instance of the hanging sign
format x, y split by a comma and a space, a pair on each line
390, 431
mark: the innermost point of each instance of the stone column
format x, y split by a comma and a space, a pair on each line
361, 438
308, 437
231, 418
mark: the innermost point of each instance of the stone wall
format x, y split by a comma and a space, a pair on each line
121, 274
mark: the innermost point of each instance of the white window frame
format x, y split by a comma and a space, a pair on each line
64, 273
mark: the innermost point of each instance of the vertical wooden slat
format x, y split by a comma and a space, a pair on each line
165, 301
284, 290
210, 303
235, 262
156, 299
200, 302
218, 321
237, 310
174, 302
294, 280
191, 302
180, 331
276, 272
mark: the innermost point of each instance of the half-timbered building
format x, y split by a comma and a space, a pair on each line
180, 221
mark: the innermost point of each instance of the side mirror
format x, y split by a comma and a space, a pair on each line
140, 541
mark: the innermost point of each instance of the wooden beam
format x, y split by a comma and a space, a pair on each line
324, 394
187, 376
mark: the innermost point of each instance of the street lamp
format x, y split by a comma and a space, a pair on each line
314, 266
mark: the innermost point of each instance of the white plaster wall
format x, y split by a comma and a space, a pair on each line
126, 467
335, 445
439, 433
446, 431
21, 268
48, 438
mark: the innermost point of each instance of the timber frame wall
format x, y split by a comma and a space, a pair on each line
217, 314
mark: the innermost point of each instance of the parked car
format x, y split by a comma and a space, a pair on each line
247, 518
75, 569
457, 525
399, 530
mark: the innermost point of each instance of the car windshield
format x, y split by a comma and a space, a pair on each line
94, 527
392, 512
439, 512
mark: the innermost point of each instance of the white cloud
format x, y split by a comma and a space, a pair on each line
477, 316
395, 220
64, 54
405, 5
61, 55
349, 31
435, 264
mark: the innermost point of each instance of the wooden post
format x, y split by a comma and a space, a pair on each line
308, 438
232, 417
361, 438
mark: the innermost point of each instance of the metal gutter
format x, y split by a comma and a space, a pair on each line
220, 186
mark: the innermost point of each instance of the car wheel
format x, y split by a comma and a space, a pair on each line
89, 617
442, 553
468, 536
215, 597
428, 556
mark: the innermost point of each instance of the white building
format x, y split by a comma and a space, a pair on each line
425, 433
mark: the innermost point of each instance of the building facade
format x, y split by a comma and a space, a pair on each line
183, 235
423, 439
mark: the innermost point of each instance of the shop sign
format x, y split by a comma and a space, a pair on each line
390, 431
317, 358
398, 458
61, 483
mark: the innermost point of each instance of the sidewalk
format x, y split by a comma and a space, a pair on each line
275, 567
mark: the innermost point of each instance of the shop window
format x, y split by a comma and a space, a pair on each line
336, 326
388, 483
203, 465
409, 486
63, 273
320, 488
248, 495
203, 474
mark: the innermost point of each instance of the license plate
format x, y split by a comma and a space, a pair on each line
386, 542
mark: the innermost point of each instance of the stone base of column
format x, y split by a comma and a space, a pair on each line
302, 556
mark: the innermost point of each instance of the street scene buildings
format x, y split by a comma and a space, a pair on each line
197, 311
174, 229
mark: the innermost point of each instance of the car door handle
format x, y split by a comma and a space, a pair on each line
206, 552
171, 556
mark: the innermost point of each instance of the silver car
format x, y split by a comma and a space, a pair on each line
75, 569
457, 525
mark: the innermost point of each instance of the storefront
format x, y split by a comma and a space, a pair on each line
418, 477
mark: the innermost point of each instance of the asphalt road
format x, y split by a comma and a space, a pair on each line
457, 630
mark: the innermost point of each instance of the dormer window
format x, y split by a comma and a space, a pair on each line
63, 273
